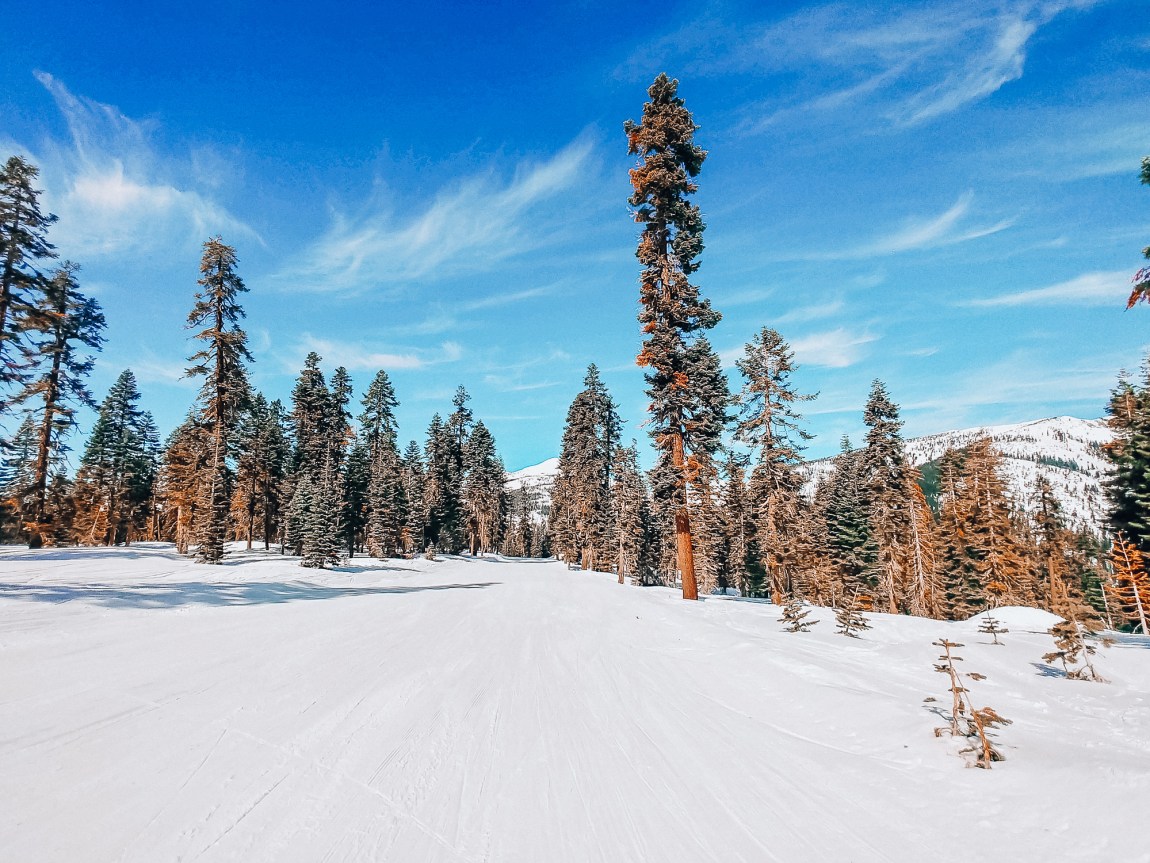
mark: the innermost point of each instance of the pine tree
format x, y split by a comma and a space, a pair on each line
1074, 650
312, 419
990, 625
709, 530
738, 525
889, 481
672, 312
1129, 588
114, 485
965, 720
413, 477
992, 532
794, 615
72, 323
770, 425
24, 249
630, 516
1128, 487
263, 455
446, 471
1052, 552
847, 518
16, 469
186, 457
224, 393
580, 509
386, 506
483, 497
849, 615
923, 588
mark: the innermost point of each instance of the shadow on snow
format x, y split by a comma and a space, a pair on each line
175, 594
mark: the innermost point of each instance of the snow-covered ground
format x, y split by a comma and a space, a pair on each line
494, 710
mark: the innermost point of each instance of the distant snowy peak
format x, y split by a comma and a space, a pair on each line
542, 473
1066, 450
535, 482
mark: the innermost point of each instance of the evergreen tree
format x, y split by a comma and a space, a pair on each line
483, 496
770, 426
1130, 586
1128, 487
739, 527
794, 615
630, 517
24, 248
313, 520
1052, 550
846, 511
224, 393
413, 477
581, 511
313, 413
436, 498
114, 485
672, 311
16, 469
447, 441
186, 458
889, 480
72, 323
264, 452
709, 530
386, 511
850, 617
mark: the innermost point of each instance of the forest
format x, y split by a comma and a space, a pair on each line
726, 506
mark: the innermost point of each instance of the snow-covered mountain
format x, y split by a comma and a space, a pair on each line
536, 482
1066, 450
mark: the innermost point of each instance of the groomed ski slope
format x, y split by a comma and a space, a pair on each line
498, 710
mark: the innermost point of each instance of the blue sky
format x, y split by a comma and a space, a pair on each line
942, 195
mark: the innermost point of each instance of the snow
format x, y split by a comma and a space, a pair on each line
506, 710
546, 470
1066, 450
1021, 617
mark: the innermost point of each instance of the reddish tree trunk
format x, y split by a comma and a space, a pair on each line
684, 555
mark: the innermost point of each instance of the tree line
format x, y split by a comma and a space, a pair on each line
320, 477
729, 505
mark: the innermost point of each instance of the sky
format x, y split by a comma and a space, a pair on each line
941, 195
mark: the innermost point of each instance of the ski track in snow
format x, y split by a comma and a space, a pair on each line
501, 710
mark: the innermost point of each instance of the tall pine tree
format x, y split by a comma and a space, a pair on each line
770, 425
73, 324
672, 312
24, 249
224, 394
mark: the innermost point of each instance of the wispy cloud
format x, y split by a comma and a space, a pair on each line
916, 233
469, 227
835, 349
113, 189
1109, 287
910, 62
443, 318
358, 357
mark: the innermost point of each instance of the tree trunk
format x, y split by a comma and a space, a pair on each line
51, 395
684, 556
